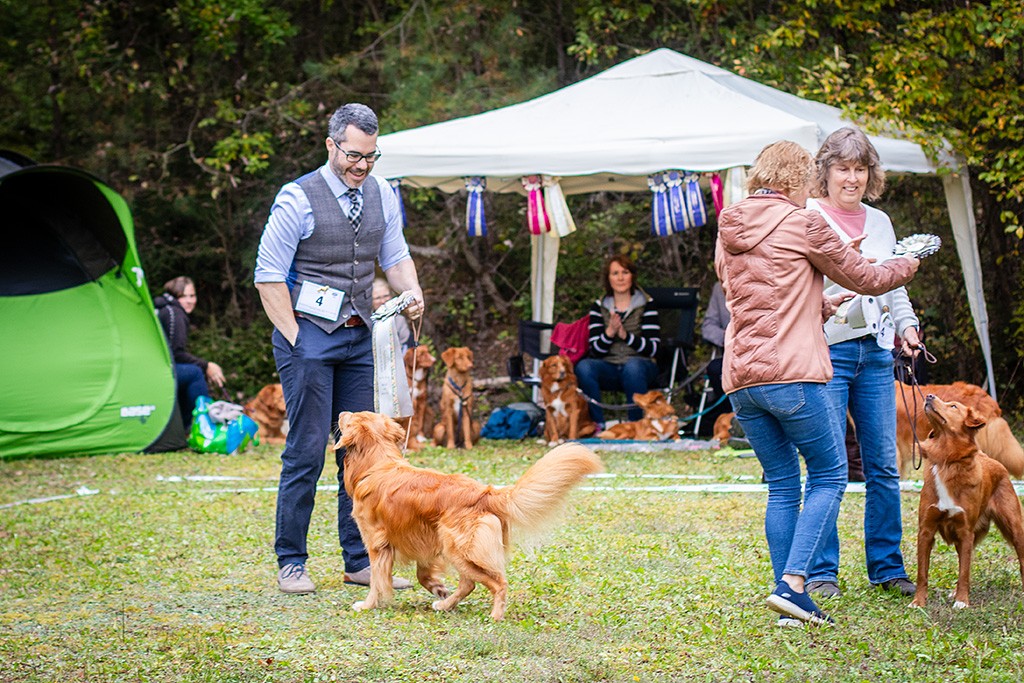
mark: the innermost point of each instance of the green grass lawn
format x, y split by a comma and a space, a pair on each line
161, 568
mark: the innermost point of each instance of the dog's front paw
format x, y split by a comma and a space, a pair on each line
916, 602
360, 606
440, 606
960, 605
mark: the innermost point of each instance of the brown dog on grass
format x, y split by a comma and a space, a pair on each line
722, 424
435, 519
659, 422
418, 362
457, 426
994, 438
964, 492
566, 415
268, 410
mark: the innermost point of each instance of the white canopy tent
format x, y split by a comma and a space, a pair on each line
650, 114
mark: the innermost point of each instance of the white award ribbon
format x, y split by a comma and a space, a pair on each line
390, 385
558, 209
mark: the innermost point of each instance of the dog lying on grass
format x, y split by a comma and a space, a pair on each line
435, 519
659, 422
964, 492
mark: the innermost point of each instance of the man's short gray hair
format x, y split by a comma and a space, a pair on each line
352, 114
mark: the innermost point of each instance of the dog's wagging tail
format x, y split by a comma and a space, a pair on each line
436, 519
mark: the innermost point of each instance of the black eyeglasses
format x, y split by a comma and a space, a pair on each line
355, 157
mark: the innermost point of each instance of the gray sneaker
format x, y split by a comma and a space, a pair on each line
823, 589
362, 578
903, 586
292, 578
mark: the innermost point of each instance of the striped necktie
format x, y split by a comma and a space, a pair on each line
355, 212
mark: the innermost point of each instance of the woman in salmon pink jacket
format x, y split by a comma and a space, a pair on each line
772, 256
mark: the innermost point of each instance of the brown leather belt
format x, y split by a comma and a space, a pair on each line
354, 321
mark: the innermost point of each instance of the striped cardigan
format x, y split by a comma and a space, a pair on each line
642, 326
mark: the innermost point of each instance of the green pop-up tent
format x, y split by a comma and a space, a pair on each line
83, 360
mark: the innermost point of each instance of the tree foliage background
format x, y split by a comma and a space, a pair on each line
198, 111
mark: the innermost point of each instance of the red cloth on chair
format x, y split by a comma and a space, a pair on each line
572, 339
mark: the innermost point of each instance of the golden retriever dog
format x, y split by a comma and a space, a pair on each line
437, 520
418, 362
659, 422
994, 438
964, 492
267, 409
566, 415
457, 426
722, 424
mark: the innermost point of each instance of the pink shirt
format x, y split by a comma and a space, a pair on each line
852, 222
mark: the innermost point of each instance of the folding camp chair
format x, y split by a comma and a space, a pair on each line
677, 311
535, 342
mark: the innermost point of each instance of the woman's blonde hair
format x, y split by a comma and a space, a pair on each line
848, 145
782, 166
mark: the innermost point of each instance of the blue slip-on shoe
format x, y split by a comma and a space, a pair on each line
788, 602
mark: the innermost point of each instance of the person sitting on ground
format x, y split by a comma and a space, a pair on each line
190, 371
624, 337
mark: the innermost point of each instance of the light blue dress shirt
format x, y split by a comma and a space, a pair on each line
291, 220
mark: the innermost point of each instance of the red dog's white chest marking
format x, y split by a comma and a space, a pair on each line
558, 405
663, 427
946, 502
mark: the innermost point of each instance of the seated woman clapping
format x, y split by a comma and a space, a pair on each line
624, 339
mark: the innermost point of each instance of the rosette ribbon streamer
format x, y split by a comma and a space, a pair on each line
536, 213
396, 185
717, 192
390, 385
557, 208
695, 201
677, 201
661, 214
476, 222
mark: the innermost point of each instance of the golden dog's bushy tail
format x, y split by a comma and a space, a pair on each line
538, 496
997, 441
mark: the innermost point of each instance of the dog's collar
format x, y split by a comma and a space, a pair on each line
456, 387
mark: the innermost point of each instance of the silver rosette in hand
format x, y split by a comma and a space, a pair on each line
918, 246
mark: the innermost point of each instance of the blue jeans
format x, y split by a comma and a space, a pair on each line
863, 383
780, 420
322, 375
191, 385
632, 377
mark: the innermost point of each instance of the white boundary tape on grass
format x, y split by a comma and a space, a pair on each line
611, 486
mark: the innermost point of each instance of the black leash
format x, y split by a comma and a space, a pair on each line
906, 376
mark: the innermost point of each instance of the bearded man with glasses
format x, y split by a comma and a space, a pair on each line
314, 273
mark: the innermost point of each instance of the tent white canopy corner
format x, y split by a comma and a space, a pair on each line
656, 112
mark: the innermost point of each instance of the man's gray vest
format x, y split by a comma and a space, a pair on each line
335, 254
